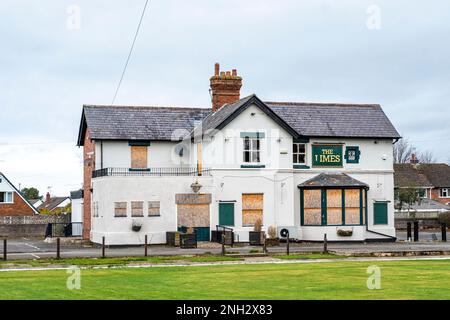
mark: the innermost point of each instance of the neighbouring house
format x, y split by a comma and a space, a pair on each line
54, 204
315, 168
36, 202
432, 180
12, 203
76, 198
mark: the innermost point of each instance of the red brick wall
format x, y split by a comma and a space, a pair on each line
435, 193
18, 208
89, 166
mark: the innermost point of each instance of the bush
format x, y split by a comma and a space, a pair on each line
272, 232
445, 218
258, 226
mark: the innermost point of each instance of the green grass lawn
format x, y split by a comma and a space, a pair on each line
86, 262
330, 280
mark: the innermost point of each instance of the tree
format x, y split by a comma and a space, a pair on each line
426, 157
407, 197
403, 150
30, 193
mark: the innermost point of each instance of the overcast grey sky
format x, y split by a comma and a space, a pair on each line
396, 53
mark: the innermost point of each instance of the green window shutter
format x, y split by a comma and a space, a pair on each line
380, 213
226, 214
255, 135
352, 154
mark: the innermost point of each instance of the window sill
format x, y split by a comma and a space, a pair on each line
301, 166
153, 216
252, 166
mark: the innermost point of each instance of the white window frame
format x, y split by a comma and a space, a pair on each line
5, 197
441, 193
298, 154
253, 148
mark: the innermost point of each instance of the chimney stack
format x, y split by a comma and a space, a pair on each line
414, 159
225, 87
47, 197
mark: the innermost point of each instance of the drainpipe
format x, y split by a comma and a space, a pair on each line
367, 224
101, 154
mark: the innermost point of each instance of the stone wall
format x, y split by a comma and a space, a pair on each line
28, 226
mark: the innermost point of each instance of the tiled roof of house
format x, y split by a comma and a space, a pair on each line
332, 180
426, 204
300, 119
422, 175
34, 201
52, 204
78, 194
139, 123
336, 120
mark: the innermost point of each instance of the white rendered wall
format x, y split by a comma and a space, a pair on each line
117, 230
77, 210
117, 154
225, 149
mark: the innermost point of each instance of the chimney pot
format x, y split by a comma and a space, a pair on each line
414, 159
216, 69
47, 197
234, 72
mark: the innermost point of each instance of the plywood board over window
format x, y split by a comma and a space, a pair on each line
137, 208
153, 208
120, 209
352, 206
312, 207
334, 207
139, 157
193, 215
252, 208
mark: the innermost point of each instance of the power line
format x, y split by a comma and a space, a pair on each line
129, 54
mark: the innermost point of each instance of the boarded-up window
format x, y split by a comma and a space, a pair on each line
352, 206
120, 209
252, 209
138, 157
334, 207
153, 208
193, 215
312, 207
137, 208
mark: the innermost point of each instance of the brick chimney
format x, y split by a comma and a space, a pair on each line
225, 87
47, 197
414, 159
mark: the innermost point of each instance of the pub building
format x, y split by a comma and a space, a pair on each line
315, 169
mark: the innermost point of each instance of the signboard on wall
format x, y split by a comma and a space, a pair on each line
327, 155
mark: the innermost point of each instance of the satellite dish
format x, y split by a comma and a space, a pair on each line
181, 150
284, 233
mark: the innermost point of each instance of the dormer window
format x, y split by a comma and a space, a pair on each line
6, 197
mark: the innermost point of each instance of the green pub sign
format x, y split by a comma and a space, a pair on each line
327, 155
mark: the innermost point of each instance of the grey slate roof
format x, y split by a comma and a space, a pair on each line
78, 194
334, 180
422, 175
300, 119
138, 123
426, 204
336, 120
53, 204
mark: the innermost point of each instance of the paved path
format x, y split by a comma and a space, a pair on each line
36, 249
